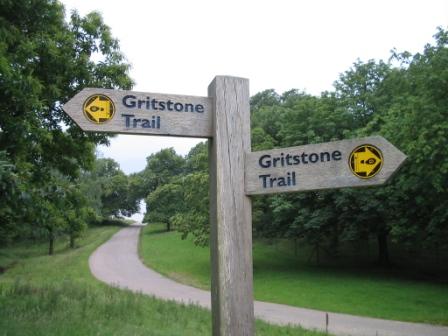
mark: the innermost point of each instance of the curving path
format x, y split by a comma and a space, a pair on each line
117, 263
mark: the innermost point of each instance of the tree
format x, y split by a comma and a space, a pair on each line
417, 121
410, 111
164, 203
44, 61
109, 189
197, 159
359, 90
11, 199
78, 213
160, 168
265, 111
49, 208
407, 105
194, 219
181, 199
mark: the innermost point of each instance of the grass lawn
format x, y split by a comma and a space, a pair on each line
57, 295
281, 277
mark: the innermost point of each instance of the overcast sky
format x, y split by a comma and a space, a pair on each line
179, 46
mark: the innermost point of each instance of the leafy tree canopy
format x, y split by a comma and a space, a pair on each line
45, 59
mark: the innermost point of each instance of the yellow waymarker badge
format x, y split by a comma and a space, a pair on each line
366, 161
99, 108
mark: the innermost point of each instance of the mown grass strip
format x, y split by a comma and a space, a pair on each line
281, 277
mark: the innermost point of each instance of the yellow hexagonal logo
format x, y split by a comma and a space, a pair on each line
366, 161
99, 108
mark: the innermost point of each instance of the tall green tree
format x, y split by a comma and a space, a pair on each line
49, 206
359, 91
78, 213
44, 61
11, 200
160, 168
410, 111
417, 121
164, 203
406, 103
181, 199
109, 190
194, 220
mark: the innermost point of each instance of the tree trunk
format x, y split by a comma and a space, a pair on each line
51, 243
318, 254
168, 226
317, 250
383, 249
72, 241
335, 241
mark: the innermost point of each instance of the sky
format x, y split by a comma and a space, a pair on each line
178, 47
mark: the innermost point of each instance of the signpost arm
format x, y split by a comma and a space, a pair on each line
230, 209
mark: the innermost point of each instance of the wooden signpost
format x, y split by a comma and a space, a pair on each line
235, 172
230, 209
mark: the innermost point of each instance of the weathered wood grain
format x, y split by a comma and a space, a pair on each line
320, 175
230, 209
184, 124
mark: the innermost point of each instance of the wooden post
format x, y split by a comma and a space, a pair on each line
230, 209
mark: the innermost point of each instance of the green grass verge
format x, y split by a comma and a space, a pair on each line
57, 295
281, 277
30, 262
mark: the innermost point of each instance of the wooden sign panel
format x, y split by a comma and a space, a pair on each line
348, 163
131, 112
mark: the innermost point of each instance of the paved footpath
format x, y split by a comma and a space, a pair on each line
117, 263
